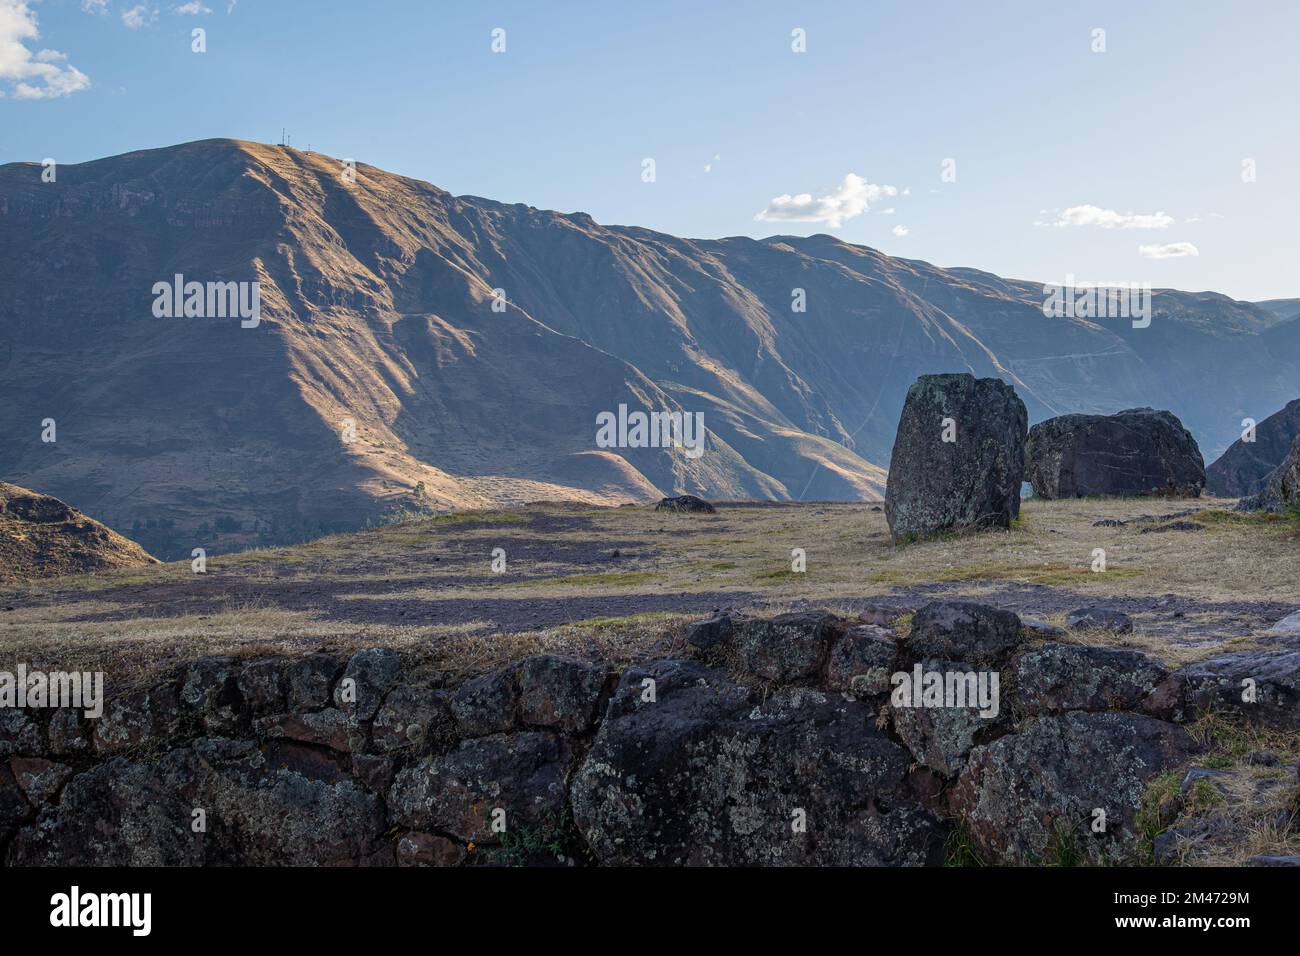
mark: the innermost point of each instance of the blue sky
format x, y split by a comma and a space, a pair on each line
1110, 165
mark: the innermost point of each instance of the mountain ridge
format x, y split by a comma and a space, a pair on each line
377, 306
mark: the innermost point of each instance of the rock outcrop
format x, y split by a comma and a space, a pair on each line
686, 503
805, 739
1136, 452
958, 457
1281, 491
1244, 468
41, 536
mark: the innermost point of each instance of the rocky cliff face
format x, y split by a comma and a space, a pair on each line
41, 536
1245, 467
423, 351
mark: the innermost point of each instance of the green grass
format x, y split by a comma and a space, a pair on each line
959, 850
645, 617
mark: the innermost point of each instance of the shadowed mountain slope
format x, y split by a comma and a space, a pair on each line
377, 313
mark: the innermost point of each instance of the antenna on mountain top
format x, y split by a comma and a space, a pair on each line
284, 136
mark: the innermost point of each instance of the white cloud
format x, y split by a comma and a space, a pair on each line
1172, 250
42, 75
900, 231
95, 6
191, 9
138, 16
847, 200
887, 212
1088, 215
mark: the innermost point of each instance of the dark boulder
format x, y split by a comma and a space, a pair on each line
488, 704
515, 781
257, 811
704, 772
941, 734
963, 631
686, 503
369, 676
1055, 677
560, 694
1038, 795
970, 481
1244, 468
786, 648
1139, 451
1262, 687
862, 661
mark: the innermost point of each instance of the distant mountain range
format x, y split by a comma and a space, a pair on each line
386, 371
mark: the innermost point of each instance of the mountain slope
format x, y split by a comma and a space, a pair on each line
377, 308
41, 536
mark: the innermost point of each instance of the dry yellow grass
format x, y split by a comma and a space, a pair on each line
342, 591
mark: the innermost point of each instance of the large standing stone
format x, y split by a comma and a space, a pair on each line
958, 457
1244, 468
1139, 451
703, 772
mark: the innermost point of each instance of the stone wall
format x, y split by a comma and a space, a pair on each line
777, 741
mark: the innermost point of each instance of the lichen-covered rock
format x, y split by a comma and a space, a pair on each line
209, 689
19, 734
709, 633
323, 728
488, 704
1139, 451
369, 676
692, 769
561, 694
39, 779
941, 737
1037, 794
788, 647
310, 681
963, 631
1262, 687
124, 813
261, 686
861, 661
428, 849
521, 779
1054, 677
67, 732
958, 458
412, 718
141, 718
14, 806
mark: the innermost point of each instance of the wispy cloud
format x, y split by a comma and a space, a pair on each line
95, 6
849, 199
1089, 215
900, 231
41, 75
1171, 250
138, 16
191, 9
